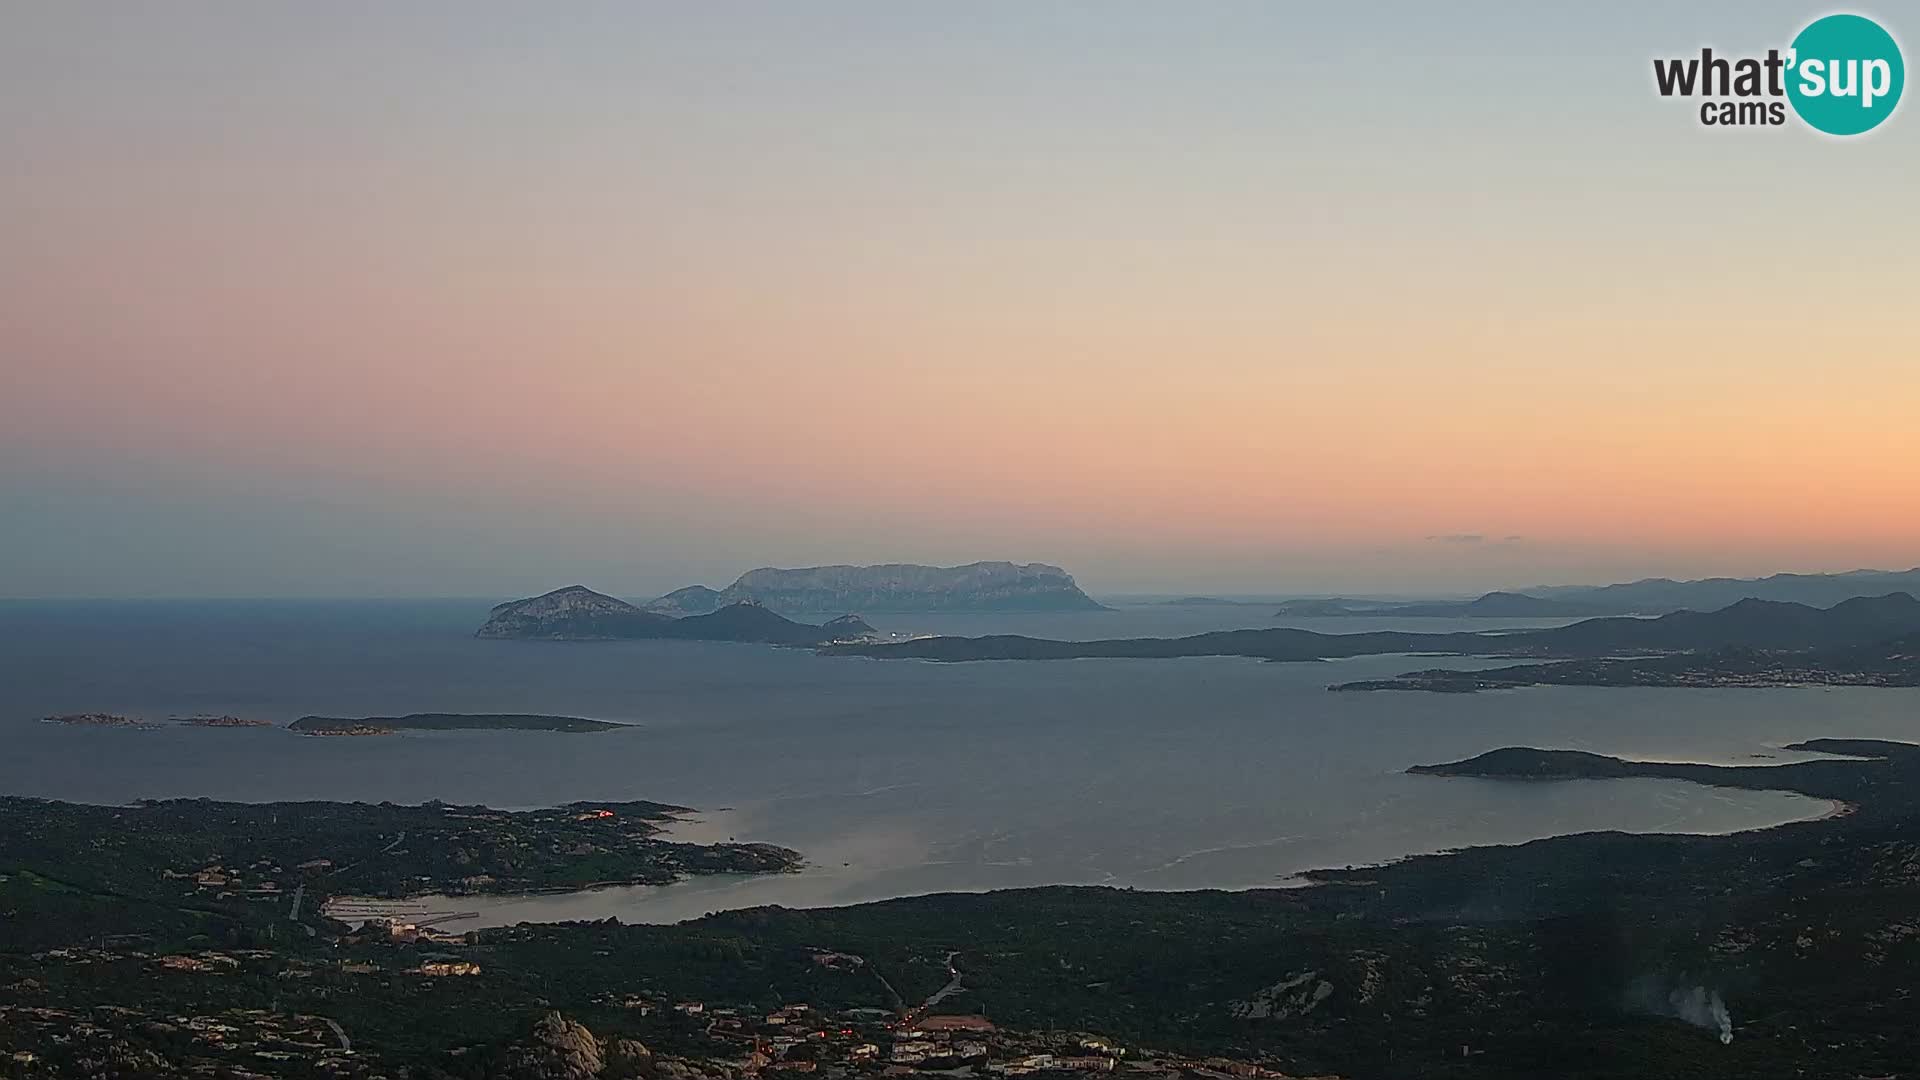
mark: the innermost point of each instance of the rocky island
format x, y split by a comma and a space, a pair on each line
577, 613
108, 720
891, 588
209, 720
1853, 770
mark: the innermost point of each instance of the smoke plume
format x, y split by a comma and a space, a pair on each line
1697, 1005
1702, 1008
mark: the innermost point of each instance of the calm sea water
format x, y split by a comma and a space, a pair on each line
894, 778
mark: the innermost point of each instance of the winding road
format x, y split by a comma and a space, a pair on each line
918, 1012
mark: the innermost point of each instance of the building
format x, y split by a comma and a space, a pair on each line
954, 1023
448, 967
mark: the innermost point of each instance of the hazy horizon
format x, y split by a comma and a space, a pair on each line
484, 299
650, 591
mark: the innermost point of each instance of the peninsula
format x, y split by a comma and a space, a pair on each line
1749, 624
224, 856
1894, 662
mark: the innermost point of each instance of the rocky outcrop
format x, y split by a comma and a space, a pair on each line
561, 1049
557, 1049
1291, 997
627, 1059
905, 587
575, 612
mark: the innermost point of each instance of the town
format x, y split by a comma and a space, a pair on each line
722, 1039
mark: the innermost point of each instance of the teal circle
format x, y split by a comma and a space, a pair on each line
1851, 53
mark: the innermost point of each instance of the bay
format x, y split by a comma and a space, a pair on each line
893, 778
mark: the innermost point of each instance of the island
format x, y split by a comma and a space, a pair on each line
386, 725
891, 588
1854, 768
106, 720
577, 613
208, 720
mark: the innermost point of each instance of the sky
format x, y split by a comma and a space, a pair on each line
477, 299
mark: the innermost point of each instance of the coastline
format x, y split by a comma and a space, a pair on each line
695, 896
1841, 808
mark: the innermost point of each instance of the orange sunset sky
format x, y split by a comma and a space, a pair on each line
478, 299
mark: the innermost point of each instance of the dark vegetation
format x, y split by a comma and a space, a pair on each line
1749, 624
1895, 662
1494, 605
1571, 957
230, 865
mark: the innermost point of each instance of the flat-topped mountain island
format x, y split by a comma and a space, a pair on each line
765, 605
889, 588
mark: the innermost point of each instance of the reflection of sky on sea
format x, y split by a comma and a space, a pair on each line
891, 778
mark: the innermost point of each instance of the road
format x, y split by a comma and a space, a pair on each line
341, 1034
953, 987
338, 870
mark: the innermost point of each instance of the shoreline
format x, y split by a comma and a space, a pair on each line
1293, 880
1841, 808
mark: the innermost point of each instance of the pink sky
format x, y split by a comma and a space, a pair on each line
642, 313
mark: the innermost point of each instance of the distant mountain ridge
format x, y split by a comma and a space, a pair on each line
1652, 596
891, 588
1746, 624
1888, 662
1494, 605
1665, 594
577, 613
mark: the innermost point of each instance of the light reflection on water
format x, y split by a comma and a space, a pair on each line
892, 778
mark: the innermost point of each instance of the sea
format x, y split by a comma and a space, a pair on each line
892, 778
